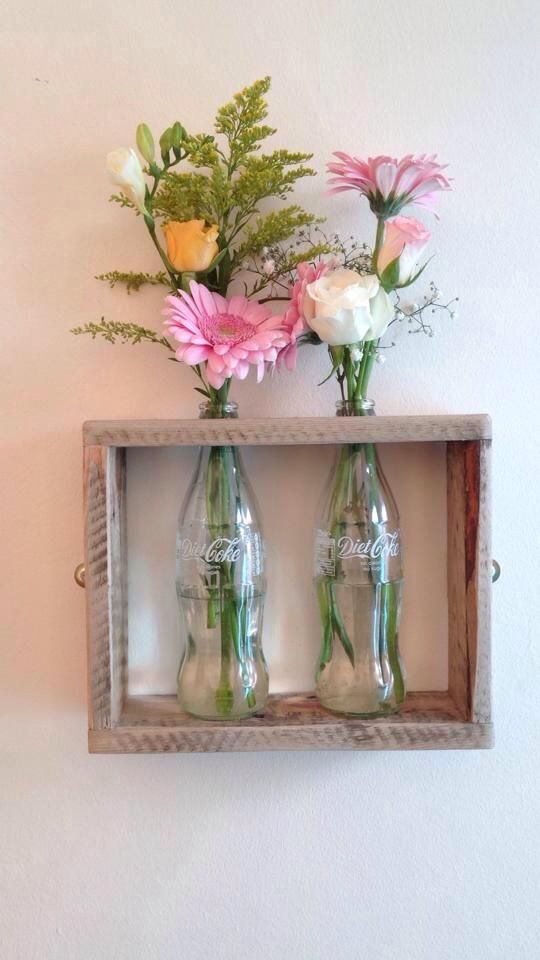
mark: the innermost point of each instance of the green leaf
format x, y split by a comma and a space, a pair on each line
336, 354
390, 276
145, 142
217, 260
413, 279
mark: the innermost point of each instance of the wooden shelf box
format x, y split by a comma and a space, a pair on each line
457, 718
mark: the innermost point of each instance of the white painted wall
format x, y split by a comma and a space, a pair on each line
344, 856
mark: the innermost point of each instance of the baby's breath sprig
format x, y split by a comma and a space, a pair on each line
274, 265
418, 315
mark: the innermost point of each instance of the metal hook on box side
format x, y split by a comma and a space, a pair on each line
80, 575
495, 571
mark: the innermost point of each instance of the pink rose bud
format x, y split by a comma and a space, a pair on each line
405, 239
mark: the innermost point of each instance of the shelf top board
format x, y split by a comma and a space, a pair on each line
286, 431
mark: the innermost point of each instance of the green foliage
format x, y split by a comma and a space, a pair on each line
201, 150
113, 331
309, 254
268, 176
274, 227
124, 201
185, 196
241, 121
133, 281
225, 179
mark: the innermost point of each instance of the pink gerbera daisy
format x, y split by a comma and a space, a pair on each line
294, 320
390, 184
226, 334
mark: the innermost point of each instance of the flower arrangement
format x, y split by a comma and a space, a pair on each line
225, 265
349, 302
199, 198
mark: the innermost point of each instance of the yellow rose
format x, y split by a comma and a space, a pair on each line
190, 245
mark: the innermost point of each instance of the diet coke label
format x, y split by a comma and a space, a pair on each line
384, 546
219, 551
224, 550
371, 553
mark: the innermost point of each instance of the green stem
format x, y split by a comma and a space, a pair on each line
326, 623
185, 280
151, 227
366, 366
379, 237
349, 373
389, 614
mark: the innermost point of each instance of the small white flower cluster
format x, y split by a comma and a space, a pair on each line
413, 312
268, 263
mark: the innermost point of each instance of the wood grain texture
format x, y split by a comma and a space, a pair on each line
162, 433
290, 708
294, 722
469, 577
106, 594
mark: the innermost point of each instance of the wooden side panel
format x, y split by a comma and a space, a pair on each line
106, 570
293, 430
469, 565
481, 699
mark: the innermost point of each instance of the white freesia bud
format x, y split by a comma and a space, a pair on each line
343, 307
126, 172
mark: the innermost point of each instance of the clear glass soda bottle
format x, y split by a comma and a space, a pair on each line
358, 580
221, 587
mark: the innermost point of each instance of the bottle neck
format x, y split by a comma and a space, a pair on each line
210, 410
355, 408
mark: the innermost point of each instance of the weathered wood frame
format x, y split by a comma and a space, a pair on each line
458, 718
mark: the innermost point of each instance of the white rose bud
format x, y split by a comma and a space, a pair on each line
126, 172
343, 307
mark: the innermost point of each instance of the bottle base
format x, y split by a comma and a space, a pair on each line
349, 710
220, 717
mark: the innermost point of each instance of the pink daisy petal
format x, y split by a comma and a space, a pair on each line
215, 380
241, 370
215, 363
224, 334
194, 354
389, 184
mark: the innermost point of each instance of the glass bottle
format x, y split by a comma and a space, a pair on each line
221, 586
358, 580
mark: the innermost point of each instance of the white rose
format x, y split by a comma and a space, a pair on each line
126, 172
342, 307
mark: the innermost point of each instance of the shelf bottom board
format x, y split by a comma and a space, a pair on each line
156, 724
